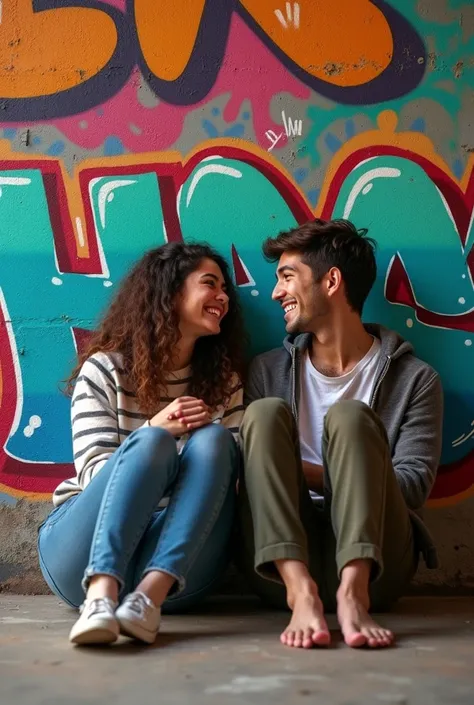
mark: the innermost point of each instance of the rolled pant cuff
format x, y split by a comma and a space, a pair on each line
265, 558
356, 551
91, 572
179, 585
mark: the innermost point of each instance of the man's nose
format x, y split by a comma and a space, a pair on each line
278, 292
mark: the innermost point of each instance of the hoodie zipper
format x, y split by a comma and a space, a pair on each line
380, 380
293, 390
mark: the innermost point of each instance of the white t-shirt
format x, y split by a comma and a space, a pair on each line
318, 393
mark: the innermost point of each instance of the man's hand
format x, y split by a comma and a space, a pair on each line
182, 415
314, 475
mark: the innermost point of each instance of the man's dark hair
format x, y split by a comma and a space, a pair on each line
331, 243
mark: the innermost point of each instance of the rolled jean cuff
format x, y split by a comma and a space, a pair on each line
357, 551
180, 579
265, 558
91, 571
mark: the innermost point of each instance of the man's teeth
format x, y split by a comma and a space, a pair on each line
290, 307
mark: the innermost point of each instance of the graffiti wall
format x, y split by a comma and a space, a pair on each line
129, 123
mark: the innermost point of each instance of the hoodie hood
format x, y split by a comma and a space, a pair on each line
392, 344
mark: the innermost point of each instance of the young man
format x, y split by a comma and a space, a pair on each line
342, 440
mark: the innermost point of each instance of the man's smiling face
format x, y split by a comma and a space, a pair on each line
303, 300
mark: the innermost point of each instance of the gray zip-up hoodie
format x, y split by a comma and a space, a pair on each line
407, 396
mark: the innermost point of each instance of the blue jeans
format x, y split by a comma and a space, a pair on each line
114, 527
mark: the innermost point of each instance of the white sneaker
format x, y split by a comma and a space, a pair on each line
97, 623
138, 617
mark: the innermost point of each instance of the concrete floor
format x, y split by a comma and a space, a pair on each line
230, 653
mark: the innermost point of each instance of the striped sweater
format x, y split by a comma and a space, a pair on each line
104, 411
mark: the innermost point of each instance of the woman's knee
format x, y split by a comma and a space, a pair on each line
150, 445
214, 441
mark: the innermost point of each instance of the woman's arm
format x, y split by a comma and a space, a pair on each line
234, 409
95, 433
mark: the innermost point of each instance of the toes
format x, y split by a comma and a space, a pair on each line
321, 638
299, 636
377, 637
386, 637
308, 639
290, 638
355, 639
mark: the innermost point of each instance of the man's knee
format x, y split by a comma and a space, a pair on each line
264, 414
350, 416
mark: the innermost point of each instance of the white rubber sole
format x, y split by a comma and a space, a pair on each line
100, 633
136, 631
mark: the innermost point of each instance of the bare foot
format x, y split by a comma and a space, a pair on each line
357, 626
307, 627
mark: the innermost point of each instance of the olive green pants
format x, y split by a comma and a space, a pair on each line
364, 514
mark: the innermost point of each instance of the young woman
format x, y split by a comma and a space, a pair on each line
156, 400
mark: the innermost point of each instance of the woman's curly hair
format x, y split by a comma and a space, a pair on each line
142, 324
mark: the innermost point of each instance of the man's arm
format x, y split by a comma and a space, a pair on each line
418, 448
254, 387
314, 475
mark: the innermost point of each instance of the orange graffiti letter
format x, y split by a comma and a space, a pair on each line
345, 42
45, 52
167, 33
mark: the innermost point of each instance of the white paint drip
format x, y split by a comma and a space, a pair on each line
210, 169
35, 421
213, 156
292, 18
296, 16
383, 172
80, 232
56, 281
106, 195
281, 19
103, 262
14, 181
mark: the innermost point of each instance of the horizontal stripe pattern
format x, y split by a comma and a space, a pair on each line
104, 412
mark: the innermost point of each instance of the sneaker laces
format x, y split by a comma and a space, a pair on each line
99, 605
139, 603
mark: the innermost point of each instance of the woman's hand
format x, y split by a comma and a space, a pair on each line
182, 415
